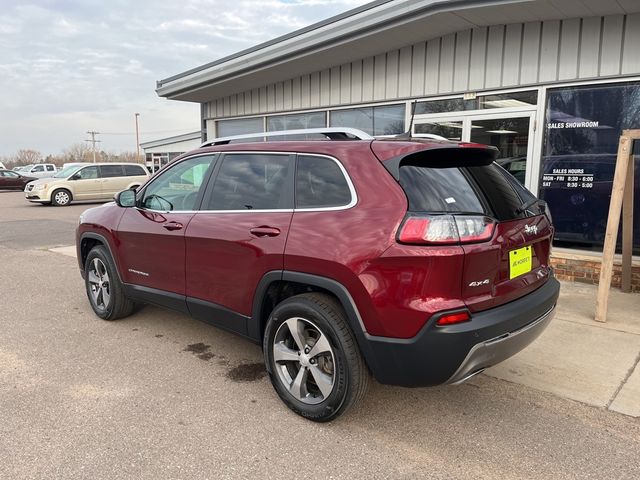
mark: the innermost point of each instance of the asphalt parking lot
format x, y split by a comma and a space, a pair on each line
159, 395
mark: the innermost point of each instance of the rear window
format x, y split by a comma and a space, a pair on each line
439, 190
485, 190
133, 170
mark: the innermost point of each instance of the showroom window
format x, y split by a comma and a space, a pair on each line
481, 102
227, 128
297, 121
383, 120
582, 130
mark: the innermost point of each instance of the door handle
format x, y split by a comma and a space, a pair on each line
171, 226
265, 231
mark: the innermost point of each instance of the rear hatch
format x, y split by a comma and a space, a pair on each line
459, 196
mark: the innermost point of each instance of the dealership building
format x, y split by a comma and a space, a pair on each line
551, 83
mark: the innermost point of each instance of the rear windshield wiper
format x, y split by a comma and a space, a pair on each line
528, 205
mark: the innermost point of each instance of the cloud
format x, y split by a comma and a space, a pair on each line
68, 66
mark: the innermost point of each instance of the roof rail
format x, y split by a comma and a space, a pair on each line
335, 133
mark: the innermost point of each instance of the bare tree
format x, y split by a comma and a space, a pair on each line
26, 157
77, 152
131, 157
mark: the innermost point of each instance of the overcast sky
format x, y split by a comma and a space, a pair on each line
68, 66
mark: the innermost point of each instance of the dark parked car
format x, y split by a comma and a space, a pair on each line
10, 180
419, 261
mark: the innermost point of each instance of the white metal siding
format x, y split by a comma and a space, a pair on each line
499, 56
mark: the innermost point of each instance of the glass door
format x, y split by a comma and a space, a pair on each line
511, 133
449, 128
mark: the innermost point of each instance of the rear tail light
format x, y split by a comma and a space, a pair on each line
453, 318
445, 229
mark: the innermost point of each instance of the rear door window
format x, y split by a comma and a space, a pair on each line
108, 171
252, 181
320, 183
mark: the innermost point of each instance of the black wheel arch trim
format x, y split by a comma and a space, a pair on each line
353, 317
102, 239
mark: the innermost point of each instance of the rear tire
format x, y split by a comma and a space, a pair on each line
61, 197
104, 289
312, 357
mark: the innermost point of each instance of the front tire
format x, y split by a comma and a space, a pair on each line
61, 197
312, 358
104, 289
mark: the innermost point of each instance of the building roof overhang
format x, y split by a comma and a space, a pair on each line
170, 140
371, 29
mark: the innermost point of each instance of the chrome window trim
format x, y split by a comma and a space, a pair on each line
345, 174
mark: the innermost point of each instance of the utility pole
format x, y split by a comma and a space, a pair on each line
93, 142
137, 138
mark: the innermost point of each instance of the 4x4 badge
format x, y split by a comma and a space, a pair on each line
531, 229
479, 283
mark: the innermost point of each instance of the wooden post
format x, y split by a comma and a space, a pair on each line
627, 228
620, 192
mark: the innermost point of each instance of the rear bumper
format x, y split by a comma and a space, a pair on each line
451, 354
491, 352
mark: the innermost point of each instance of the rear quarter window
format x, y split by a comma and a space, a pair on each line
320, 183
134, 170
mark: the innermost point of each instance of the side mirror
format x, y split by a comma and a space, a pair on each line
75, 176
126, 198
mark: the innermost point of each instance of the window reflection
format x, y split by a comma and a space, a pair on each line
582, 131
383, 120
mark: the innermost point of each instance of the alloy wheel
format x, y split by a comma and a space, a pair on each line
304, 360
99, 284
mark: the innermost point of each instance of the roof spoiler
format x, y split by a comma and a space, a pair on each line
446, 156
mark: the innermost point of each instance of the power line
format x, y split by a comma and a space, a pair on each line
93, 142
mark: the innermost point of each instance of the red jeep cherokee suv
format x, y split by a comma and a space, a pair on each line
420, 261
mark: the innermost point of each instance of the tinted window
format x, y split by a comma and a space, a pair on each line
251, 182
111, 171
503, 199
87, 173
133, 170
320, 183
51, 168
487, 189
177, 188
439, 190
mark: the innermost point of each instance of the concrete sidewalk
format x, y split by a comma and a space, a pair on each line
581, 359
577, 357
